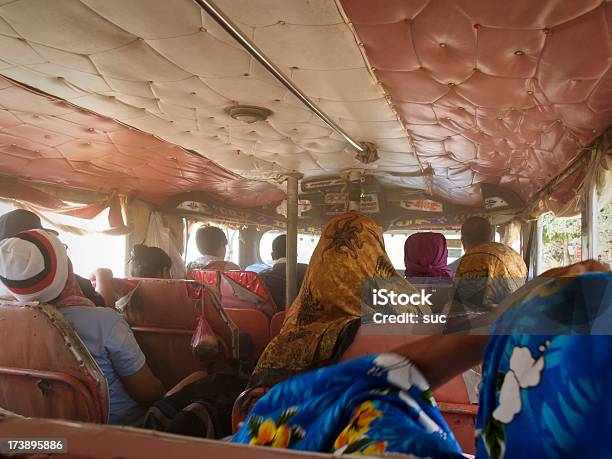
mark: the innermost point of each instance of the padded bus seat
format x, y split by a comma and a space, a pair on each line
239, 289
276, 323
255, 324
452, 398
163, 315
45, 370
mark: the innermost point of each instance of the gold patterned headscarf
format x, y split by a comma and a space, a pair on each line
486, 275
322, 321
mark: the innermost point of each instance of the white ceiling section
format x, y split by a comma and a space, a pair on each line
168, 69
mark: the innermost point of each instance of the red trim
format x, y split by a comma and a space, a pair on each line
47, 280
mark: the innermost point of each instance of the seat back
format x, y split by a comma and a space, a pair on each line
111, 442
45, 370
276, 323
163, 317
239, 289
163, 314
255, 324
452, 398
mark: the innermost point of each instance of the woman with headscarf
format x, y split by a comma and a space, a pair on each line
322, 321
425, 258
543, 393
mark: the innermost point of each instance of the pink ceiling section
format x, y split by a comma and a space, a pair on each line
491, 91
49, 140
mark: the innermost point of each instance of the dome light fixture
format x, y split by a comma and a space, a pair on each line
248, 113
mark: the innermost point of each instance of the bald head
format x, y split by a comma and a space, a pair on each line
474, 231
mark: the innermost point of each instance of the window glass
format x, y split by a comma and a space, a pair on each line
395, 240
561, 245
233, 244
89, 251
305, 247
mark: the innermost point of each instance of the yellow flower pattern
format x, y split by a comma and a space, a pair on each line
275, 433
353, 438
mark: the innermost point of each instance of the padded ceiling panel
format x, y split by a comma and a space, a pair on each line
492, 92
48, 140
168, 69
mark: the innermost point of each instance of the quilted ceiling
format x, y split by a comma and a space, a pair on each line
478, 90
42, 138
492, 91
167, 68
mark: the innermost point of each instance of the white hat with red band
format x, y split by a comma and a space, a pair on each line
33, 266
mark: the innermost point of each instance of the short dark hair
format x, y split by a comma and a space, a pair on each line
279, 247
476, 230
149, 261
210, 239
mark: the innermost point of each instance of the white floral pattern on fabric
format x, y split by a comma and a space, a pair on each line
525, 371
401, 372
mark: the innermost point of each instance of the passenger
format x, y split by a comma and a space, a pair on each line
212, 243
543, 395
275, 277
20, 220
425, 256
488, 272
322, 321
257, 267
146, 261
151, 262
34, 266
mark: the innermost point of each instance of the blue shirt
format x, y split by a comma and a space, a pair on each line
109, 340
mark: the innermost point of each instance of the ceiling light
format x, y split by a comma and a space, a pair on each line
248, 113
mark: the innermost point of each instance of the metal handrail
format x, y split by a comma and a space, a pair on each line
253, 50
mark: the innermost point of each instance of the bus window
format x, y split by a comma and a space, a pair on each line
395, 240
91, 250
305, 246
233, 245
561, 245
605, 234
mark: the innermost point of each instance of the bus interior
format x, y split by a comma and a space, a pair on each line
126, 122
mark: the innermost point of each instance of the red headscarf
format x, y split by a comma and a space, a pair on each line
72, 295
425, 255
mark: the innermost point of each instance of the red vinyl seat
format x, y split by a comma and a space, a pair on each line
45, 370
276, 323
238, 289
255, 324
163, 315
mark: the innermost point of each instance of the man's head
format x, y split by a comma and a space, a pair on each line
34, 266
474, 231
150, 262
211, 241
19, 220
279, 247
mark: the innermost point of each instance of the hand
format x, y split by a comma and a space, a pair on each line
576, 268
101, 273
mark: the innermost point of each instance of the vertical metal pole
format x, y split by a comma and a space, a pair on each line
590, 216
292, 220
539, 243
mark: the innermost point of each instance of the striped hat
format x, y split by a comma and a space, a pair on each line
33, 266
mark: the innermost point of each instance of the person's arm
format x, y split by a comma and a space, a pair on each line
104, 285
442, 357
130, 364
143, 386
